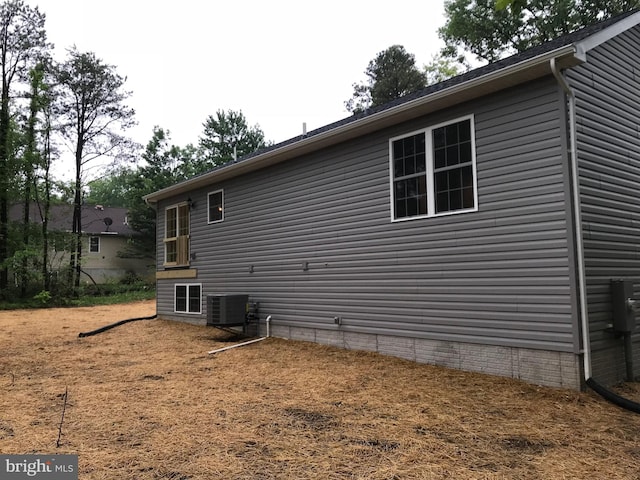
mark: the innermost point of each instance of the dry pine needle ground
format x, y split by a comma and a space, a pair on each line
146, 401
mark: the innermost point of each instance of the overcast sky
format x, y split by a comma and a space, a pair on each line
281, 62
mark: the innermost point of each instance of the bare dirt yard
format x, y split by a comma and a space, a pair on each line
145, 401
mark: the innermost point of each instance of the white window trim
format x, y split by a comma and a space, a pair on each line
188, 285
430, 171
99, 242
209, 221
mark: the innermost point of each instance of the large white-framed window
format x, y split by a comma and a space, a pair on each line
188, 298
215, 204
433, 171
176, 235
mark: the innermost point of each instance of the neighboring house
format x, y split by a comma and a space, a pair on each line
444, 227
106, 253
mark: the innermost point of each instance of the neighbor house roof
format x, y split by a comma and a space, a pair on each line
566, 51
96, 219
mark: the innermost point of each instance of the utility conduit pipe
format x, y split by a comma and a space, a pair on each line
268, 320
582, 283
577, 215
113, 325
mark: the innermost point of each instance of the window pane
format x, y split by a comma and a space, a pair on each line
438, 138
452, 155
94, 244
181, 298
467, 198
440, 158
455, 180
412, 207
422, 199
421, 162
467, 177
421, 146
464, 131
465, 152
398, 151
454, 189
409, 156
442, 202
194, 299
411, 197
455, 199
171, 251
398, 168
442, 181
451, 134
409, 146
171, 224
215, 207
410, 166
412, 187
183, 220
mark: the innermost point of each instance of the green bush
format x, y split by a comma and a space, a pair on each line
43, 297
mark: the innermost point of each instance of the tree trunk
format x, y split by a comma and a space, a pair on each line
45, 215
4, 173
76, 257
29, 157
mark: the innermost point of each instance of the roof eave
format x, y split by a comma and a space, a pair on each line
491, 82
598, 38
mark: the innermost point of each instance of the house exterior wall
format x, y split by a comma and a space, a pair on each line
490, 290
607, 89
106, 265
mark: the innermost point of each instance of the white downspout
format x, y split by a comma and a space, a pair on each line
573, 154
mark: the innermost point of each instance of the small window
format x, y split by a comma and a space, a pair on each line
433, 171
216, 206
94, 244
188, 298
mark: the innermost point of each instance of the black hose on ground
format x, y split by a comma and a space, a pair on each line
112, 325
614, 397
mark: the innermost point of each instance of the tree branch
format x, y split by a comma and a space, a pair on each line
64, 409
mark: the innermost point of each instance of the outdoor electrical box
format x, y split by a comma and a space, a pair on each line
624, 315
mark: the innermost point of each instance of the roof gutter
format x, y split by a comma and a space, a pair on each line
510, 75
577, 217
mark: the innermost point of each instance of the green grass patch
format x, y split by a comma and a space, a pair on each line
86, 296
112, 299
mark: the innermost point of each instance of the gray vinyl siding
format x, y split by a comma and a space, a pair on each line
608, 105
498, 276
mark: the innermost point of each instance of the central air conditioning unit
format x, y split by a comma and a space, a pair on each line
227, 309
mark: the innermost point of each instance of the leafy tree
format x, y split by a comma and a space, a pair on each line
29, 165
110, 189
227, 137
390, 75
43, 195
488, 33
502, 4
164, 165
93, 113
588, 5
441, 68
22, 42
